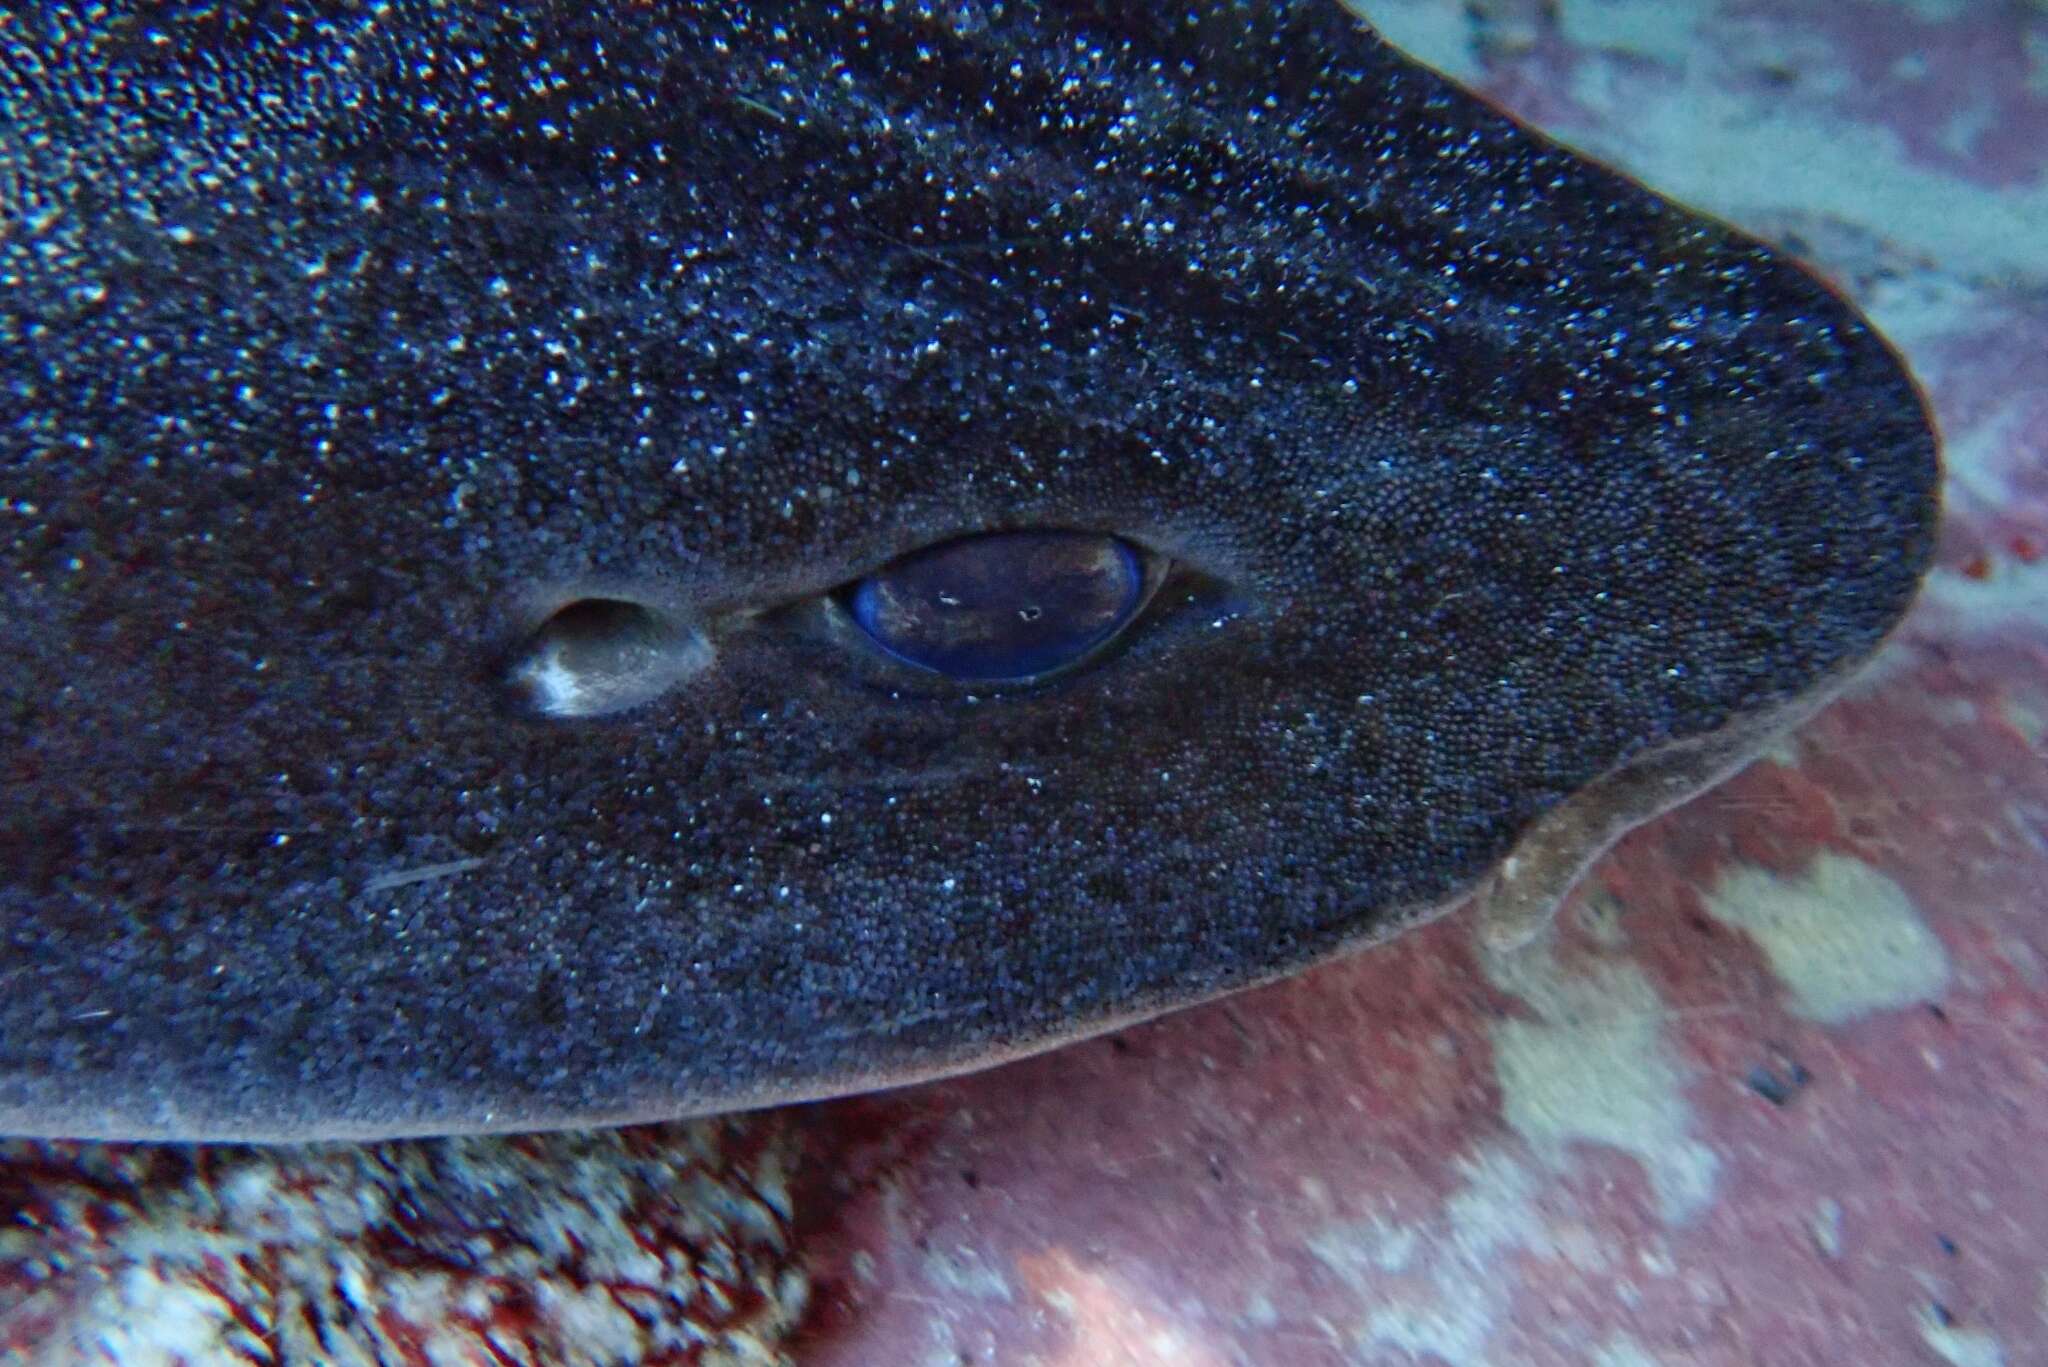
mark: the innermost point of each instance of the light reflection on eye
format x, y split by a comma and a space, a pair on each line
1004, 606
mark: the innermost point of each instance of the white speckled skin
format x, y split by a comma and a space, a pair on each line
1481, 473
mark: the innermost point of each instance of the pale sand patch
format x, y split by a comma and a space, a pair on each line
1442, 1286
1961, 1347
2014, 597
1592, 1067
1843, 938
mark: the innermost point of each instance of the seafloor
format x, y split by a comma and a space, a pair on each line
1776, 1094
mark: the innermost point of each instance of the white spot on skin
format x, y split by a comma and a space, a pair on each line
1844, 939
1592, 1068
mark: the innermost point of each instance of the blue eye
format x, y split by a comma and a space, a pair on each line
1006, 606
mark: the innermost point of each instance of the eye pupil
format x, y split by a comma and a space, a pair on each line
1006, 606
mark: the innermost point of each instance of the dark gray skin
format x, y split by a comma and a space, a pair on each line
1490, 504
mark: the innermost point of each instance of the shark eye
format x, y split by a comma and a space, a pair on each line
1003, 606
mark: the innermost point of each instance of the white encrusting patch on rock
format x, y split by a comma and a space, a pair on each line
2014, 594
1961, 1347
1588, 1064
1843, 938
1442, 1287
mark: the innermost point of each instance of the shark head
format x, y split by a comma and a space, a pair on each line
570, 566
